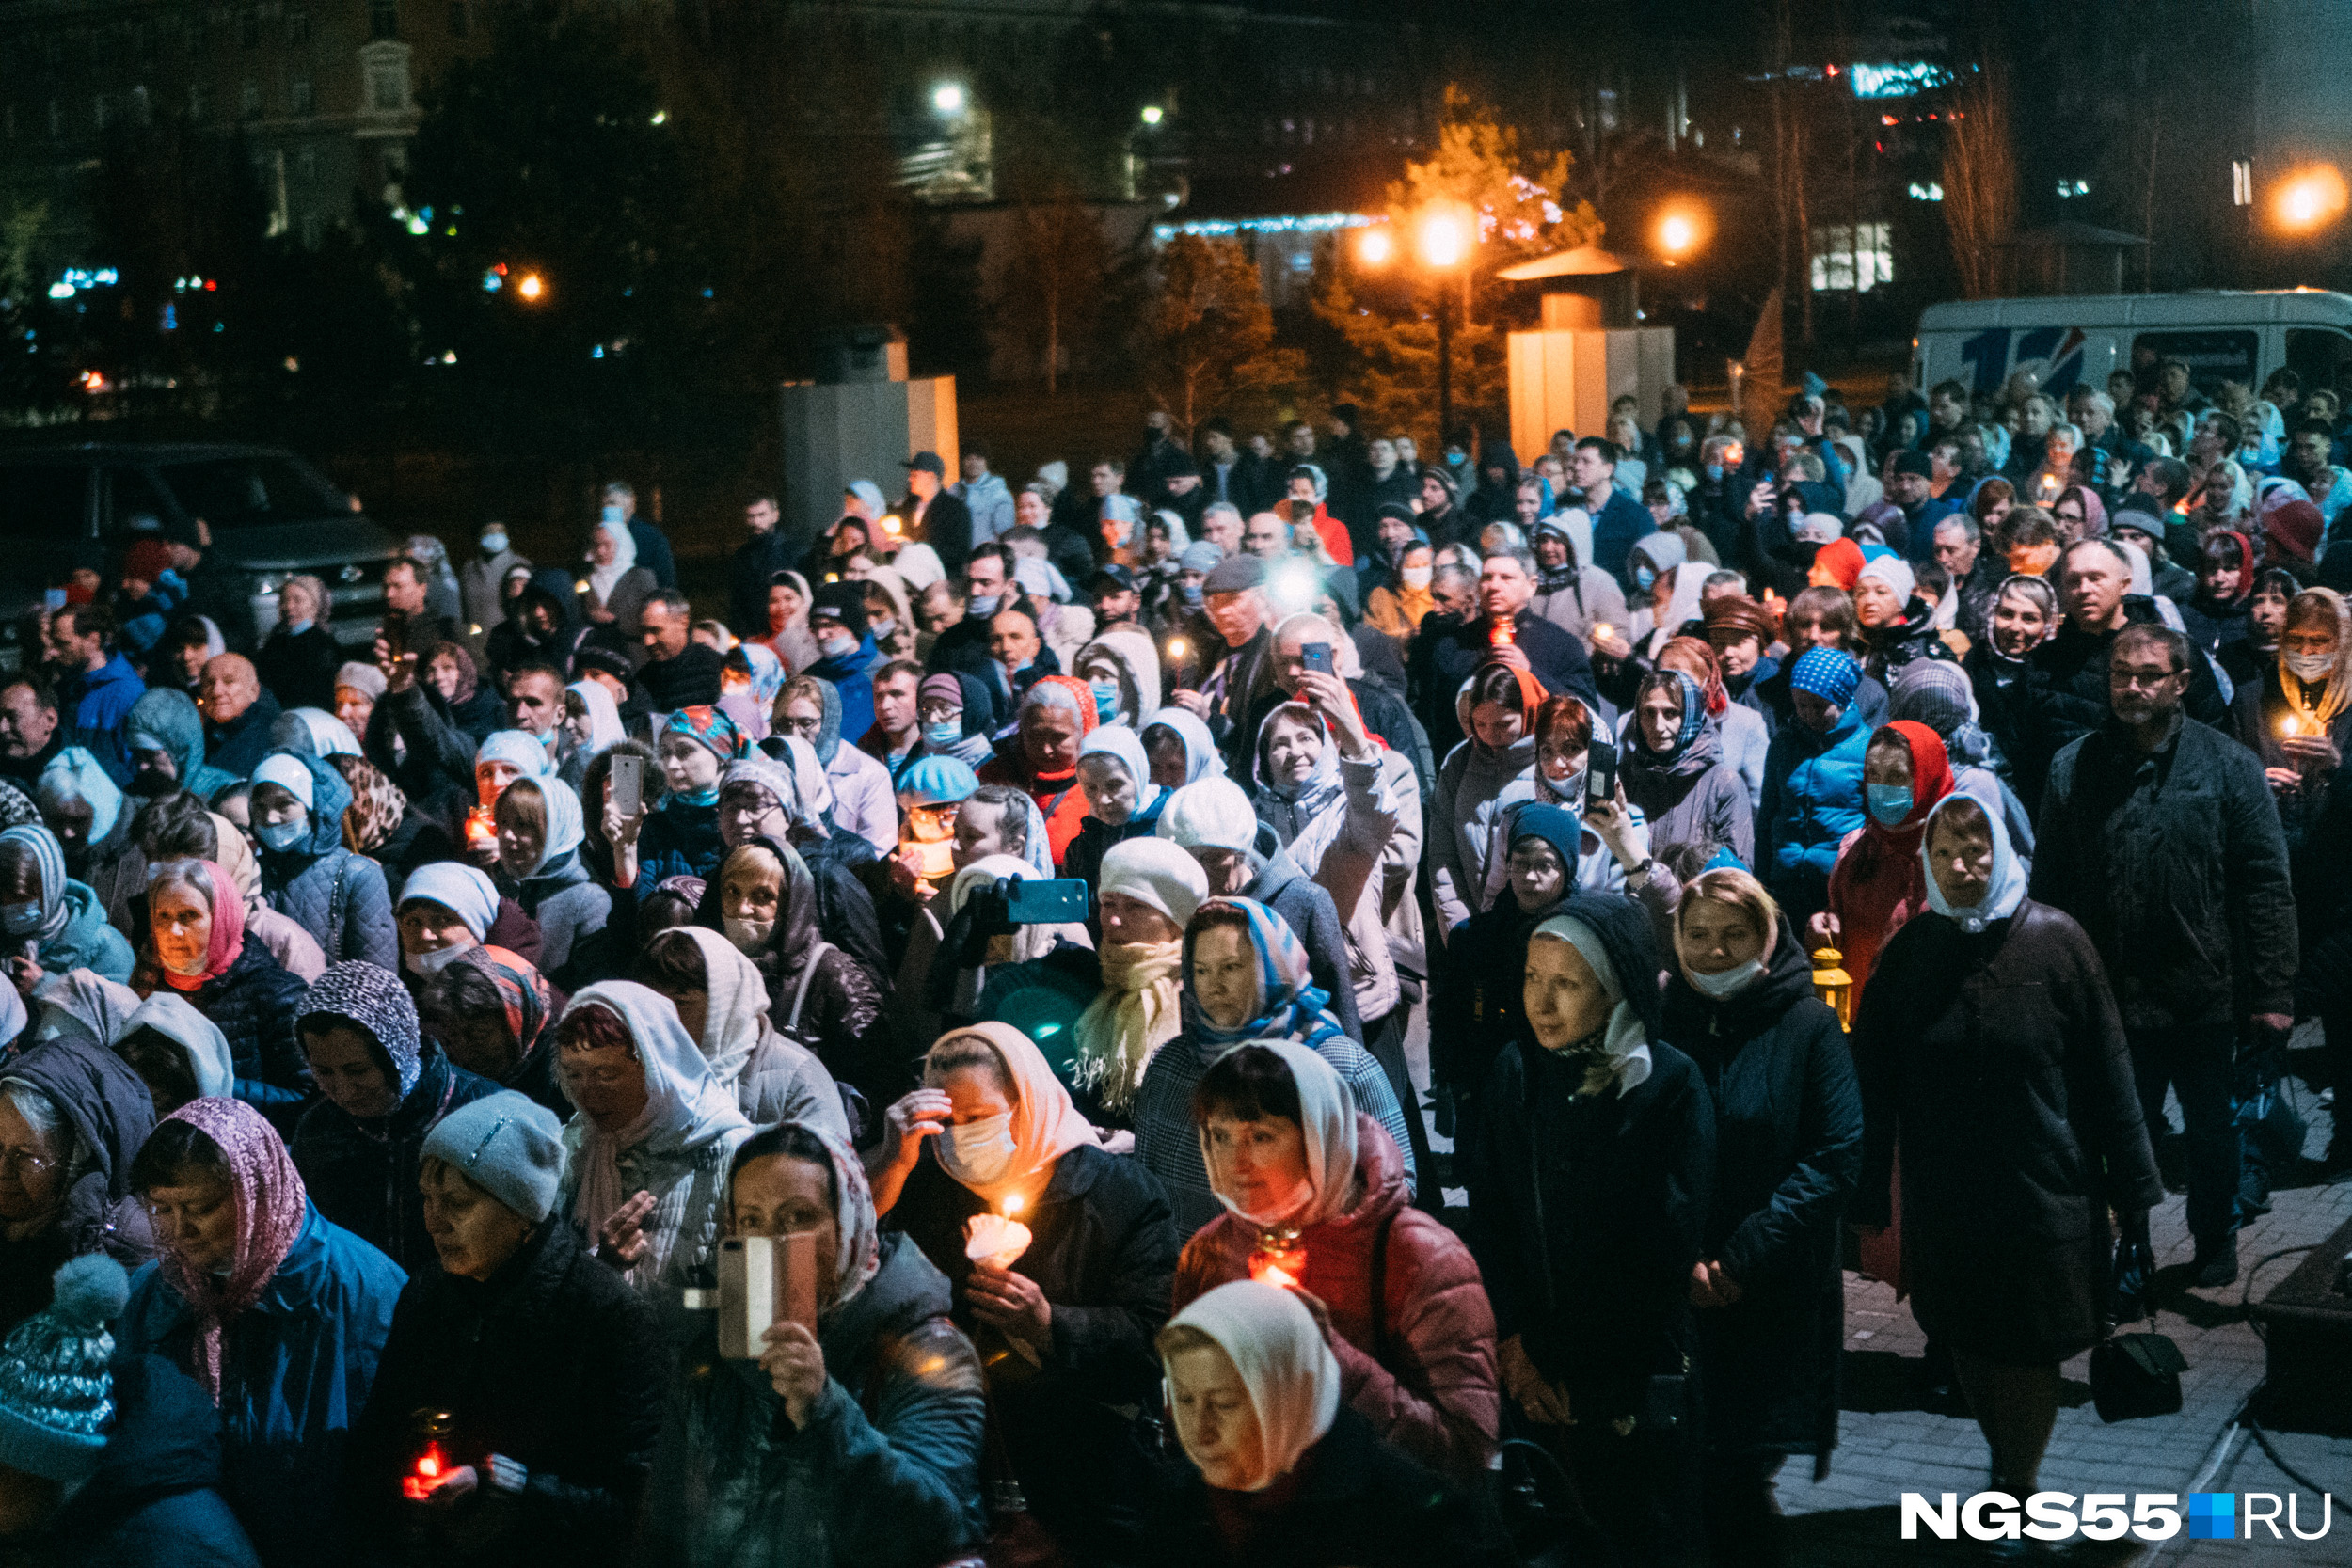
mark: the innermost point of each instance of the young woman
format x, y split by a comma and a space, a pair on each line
680, 834
1497, 707
616, 587
540, 830
2297, 719
2245, 662
308, 876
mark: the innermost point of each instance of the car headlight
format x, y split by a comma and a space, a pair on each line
268, 583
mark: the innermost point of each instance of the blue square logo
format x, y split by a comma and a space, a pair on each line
2212, 1515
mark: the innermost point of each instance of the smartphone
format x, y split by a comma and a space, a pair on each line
1600, 772
1060, 901
395, 634
628, 784
763, 1281
1316, 656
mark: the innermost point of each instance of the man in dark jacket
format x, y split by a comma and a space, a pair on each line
653, 546
1241, 678
32, 731
1444, 656
1619, 521
2065, 691
757, 562
933, 513
1977, 567
2159, 836
678, 672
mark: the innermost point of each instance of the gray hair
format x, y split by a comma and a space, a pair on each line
1961, 520
2073, 433
2092, 398
1447, 576
2104, 542
49, 1125
318, 591
1227, 507
1520, 553
671, 600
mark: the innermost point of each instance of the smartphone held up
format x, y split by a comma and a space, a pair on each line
763, 1281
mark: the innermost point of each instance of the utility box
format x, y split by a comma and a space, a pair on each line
1566, 379
863, 420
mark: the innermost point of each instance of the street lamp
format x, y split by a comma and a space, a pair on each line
1682, 230
532, 286
948, 98
1376, 247
2309, 200
1444, 238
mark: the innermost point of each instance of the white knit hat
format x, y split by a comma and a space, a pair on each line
1213, 813
1155, 872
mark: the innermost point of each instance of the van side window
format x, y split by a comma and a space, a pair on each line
45, 501
2320, 355
2213, 357
132, 501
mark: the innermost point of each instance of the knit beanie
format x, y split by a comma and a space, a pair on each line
1828, 674
938, 781
844, 602
1155, 872
1935, 692
1892, 570
56, 1392
1213, 813
1201, 556
506, 1144
363, 677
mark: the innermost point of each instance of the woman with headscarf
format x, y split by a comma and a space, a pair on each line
889, 613
1770, 1295
788, 636
306, 874
313, 731
811, 711
280, 1313
1674, 768
1064, 1329
1877, 883
721, 998
447, 908
678, 835
163, 738
540, 829
2215, 616
1122, 802
751, 680
178, 1053
1591, 1187
197, 923
448, 671
1244, 979
1664, 596
1496, 706
646, 1157
56, 923
1746, 736
615, 589
1990, 1049
1181, 748
1282, 1469
592, 722
1302, 1172
852, 1443
1041, 756
80, 804
495, 1015
72, 1115
383, 825
763, 900
384, 1088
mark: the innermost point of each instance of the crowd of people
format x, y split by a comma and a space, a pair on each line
927, 1067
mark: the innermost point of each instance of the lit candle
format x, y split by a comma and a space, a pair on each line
1602, 631
1278, 1260
996, 1240
431, 1469
482, 832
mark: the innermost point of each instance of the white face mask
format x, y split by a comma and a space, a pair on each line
749, 935
1282, 1208
1416, 577
433, 962
1730, 982
2308, 666
979, 1152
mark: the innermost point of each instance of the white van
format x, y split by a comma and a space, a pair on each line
2072, 340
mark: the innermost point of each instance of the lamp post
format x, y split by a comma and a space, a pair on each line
1444, 241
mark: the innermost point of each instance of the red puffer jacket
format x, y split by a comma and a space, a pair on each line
1432, 1391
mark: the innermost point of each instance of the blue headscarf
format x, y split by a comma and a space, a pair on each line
1289, 1005
49, 861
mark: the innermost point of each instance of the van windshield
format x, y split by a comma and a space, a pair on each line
249, 492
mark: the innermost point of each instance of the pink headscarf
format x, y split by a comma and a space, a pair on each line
228, 940
270, 1206
2094, 510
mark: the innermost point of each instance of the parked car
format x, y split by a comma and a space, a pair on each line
260, 514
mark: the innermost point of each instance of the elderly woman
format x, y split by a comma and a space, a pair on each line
954, 710
277, 1311
495, 1014
299, 658
592, 723
614, 591
1122, 802
811, 711
680, 834
1769, 1297
306, 874
540, 829
1990, 1048
555, 1398
72, 1115
1591, 1188
197, 923
80, 804
721, 998
646, 1156
178, 1053
1284, 1470
446, 908
1245, 978
1064, 1329
48, 913
790, 800
384, 1088
852, 1442
1041, 756
1314, 1187
1675, 771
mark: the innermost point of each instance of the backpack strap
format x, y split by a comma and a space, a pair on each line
800, 994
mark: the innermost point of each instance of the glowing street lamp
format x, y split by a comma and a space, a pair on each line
948, 98
1376, 247
2309, 200
1444, 237
532, 287
1154, 114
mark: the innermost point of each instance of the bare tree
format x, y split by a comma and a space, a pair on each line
1053, 292
1206, 337
1981, 174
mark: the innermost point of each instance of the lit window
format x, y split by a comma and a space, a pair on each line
1855, 257
1931, 191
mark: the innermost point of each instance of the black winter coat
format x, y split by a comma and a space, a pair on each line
1104, 1252
254, 1002
2174, 863
1788, 1152
553, 1361
1997, 1061
300, 667
363, 1174
2064, 697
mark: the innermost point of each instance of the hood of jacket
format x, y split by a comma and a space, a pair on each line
1380, 1168
111, 1113
85, 928
906, 1291
172, 718
330, 798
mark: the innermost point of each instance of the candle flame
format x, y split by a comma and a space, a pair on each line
1014, 1205
1601, 630
1276, 1275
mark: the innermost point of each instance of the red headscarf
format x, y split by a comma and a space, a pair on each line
1878, 882
228, 940
1081, 694
2293, 531
1840, 561
271, 1203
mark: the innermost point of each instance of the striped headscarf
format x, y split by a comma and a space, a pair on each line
529, 1000
49, 861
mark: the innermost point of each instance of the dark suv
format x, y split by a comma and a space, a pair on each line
266, 514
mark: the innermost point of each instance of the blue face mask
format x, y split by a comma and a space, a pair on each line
295, 629
1889, 804
982, 606
1714, 472
1105, 701
1195, 596
281, 835
1644, 578
947, 733
883, 627
612, 512
21, 920
697, 797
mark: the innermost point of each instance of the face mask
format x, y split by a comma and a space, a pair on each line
191, 970
1416, 577
494, 544
281, 835
883, 627
1195, 596
1105, 701
749, 935
979, 1152
1714, 472
1889, 804
295, 629
1644, 578
1282, 1208
1730, 981
981, 607
21, 920
945, 732
612, 512
434, 962
2308, 666
838, 646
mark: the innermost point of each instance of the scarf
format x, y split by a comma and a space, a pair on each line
603, 579
1284, 1360
1326, 1121
373, 998
377, 805
271, 1209
48, 857
1288, 1006
2001, 897
1618, 1051
604, 718
529, 1000
1139, 1010
737, 1019
860, 1256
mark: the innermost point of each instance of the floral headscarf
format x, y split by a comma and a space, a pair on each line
529, 1000
271, 1206
366, 994
709, 727
1289, 1005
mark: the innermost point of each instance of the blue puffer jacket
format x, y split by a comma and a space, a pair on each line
362, 1173
253, 1002
677, 840
1812, 800
88, 940
294, 1372
336, 897
169, 718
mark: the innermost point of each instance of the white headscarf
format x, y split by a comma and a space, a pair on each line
328, 735
2006, 889
1124, 746
1327, 1117
175, 1018
604, 719
604, 578
1625, 1041
565, 827
1138, 1009
1202, 757
737, 1018
462, 891
1285, 1361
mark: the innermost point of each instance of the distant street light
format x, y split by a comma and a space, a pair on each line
1152, 114
1444, 239
947, 98
1682, 230
1375, 248
2309, 200
532, 287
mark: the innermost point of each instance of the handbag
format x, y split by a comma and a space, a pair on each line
2134, 1375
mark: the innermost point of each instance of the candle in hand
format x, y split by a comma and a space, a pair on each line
996, 1240
1278, 1260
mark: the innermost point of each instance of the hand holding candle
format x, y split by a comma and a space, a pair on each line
1278, 1260
996, 1241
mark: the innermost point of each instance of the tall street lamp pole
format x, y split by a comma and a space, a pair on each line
1444, 243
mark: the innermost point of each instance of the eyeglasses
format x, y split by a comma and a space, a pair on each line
23, 1161
2126, 680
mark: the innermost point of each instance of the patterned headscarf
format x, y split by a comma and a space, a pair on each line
860, 1256
1289, 1005
376, 806
271, 1205
709, 727
359, 992
530, 1001
767, 674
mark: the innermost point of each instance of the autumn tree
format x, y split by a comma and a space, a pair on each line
1386, 311
1206, 337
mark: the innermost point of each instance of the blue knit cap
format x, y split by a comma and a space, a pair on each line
1828, 675
57, 1396
938, 781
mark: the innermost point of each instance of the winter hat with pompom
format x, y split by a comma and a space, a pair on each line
57, 1396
